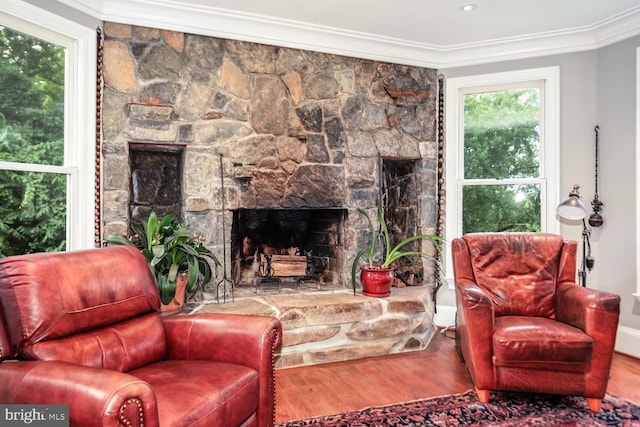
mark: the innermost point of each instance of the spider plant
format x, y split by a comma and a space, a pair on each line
391, 252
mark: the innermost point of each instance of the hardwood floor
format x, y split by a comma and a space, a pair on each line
347, 386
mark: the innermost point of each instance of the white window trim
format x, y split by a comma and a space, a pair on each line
550, 154
637, 294
80, 108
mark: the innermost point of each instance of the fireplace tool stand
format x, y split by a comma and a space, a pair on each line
225, 281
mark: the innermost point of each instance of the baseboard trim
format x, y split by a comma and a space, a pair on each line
628, 341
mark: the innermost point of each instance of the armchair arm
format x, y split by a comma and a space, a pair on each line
475, 330
96, 397
234, 338
596, 313
241, 339
591, 310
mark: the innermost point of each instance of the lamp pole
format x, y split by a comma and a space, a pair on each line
582, 273
587, 260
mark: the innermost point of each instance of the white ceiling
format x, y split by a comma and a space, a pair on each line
432, 33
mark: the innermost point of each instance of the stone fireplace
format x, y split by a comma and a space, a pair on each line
275, 150
282, 131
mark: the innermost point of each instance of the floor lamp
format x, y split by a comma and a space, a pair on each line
572, 208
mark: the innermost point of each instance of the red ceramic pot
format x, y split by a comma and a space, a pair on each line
177, 303
376, 280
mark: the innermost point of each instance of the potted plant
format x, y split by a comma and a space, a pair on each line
176, 256
377, 278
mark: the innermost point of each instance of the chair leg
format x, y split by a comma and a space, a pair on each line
594, 404
483, 395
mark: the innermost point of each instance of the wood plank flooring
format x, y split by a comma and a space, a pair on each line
352, 385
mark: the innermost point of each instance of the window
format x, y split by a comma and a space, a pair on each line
47, 131
502, 152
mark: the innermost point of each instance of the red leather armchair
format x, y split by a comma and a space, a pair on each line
83, 329
524, 324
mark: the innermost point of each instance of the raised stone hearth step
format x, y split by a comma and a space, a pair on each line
330, 326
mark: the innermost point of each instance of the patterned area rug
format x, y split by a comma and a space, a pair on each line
504, 409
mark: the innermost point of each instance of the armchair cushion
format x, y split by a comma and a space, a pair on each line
211, 394
518, 275
122, 346
540, 343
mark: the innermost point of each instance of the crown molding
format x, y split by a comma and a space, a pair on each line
617, 28
223, 23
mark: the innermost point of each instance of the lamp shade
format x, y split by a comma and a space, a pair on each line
572, 207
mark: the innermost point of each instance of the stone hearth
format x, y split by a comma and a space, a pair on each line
333, 326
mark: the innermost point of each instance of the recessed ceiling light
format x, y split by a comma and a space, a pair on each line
468, 7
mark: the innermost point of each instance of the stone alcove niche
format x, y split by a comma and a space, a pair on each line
400, 190
156, 184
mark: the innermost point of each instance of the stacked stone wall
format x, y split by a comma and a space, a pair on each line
295, 129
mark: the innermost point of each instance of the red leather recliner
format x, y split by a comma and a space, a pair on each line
524, 324
84, 330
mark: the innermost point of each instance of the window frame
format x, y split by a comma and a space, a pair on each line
549, 146
79, 113
637, 159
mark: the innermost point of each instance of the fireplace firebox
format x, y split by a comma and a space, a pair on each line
290, 245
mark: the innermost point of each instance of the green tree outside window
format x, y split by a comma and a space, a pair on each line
501, 148
33, 208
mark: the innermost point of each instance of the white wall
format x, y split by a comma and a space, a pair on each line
616, 110
596, 88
